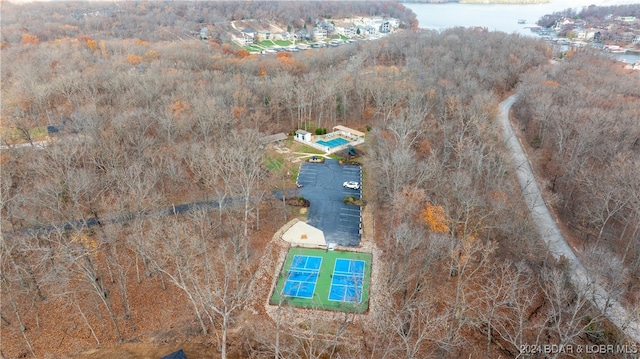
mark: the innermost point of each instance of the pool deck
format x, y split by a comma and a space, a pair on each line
329, 137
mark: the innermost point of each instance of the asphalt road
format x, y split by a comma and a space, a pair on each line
553, 238
114, 219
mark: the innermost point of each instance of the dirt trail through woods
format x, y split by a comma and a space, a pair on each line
627, 322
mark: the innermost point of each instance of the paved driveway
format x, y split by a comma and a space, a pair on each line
322, 186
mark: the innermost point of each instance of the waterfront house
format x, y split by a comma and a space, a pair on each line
263, 35
349, 31
249, 32
560, 24
302, 35
584, 34
318, 33
385, 27
326, 25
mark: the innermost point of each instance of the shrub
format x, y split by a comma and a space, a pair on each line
535, 143
354, 201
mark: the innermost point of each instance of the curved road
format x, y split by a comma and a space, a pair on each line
554, 239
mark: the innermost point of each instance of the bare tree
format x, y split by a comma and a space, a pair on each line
496, 303
215, 277
568, 315
239, 165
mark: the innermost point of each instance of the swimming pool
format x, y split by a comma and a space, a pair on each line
339, 141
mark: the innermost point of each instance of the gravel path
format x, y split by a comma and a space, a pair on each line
627, 322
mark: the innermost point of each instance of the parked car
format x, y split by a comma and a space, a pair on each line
351, 185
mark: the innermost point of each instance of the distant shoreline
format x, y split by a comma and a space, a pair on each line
515, 2
488, 2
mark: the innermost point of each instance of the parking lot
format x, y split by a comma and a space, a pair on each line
322, 186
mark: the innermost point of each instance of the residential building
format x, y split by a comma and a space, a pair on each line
393, 23
562, 23
247, 39
263, 35
385, 28
367, 30
302, 35
326, 25
584, 34
626, 18
318, 33
347, 31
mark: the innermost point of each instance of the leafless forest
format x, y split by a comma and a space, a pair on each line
580, 119
150, 118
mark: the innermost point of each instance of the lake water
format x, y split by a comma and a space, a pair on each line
499, 17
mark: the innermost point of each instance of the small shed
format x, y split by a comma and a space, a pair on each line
304, 136
273, 138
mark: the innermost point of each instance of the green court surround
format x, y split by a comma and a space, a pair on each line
320, 298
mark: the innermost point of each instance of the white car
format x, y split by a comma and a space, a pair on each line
351, 184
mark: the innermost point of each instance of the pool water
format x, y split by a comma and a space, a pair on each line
334, 142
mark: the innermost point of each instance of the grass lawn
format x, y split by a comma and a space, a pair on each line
309, 150
321, 297
283, 42
267, 43
294, 172
253, 48
300, 213
274, 163
14, 136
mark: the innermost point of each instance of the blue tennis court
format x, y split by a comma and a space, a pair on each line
338, 141
347, 280
302, 276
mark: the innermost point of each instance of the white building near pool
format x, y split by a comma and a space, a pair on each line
303, 136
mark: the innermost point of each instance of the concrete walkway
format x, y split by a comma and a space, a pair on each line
625, 321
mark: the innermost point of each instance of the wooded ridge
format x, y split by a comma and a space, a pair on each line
143, 117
